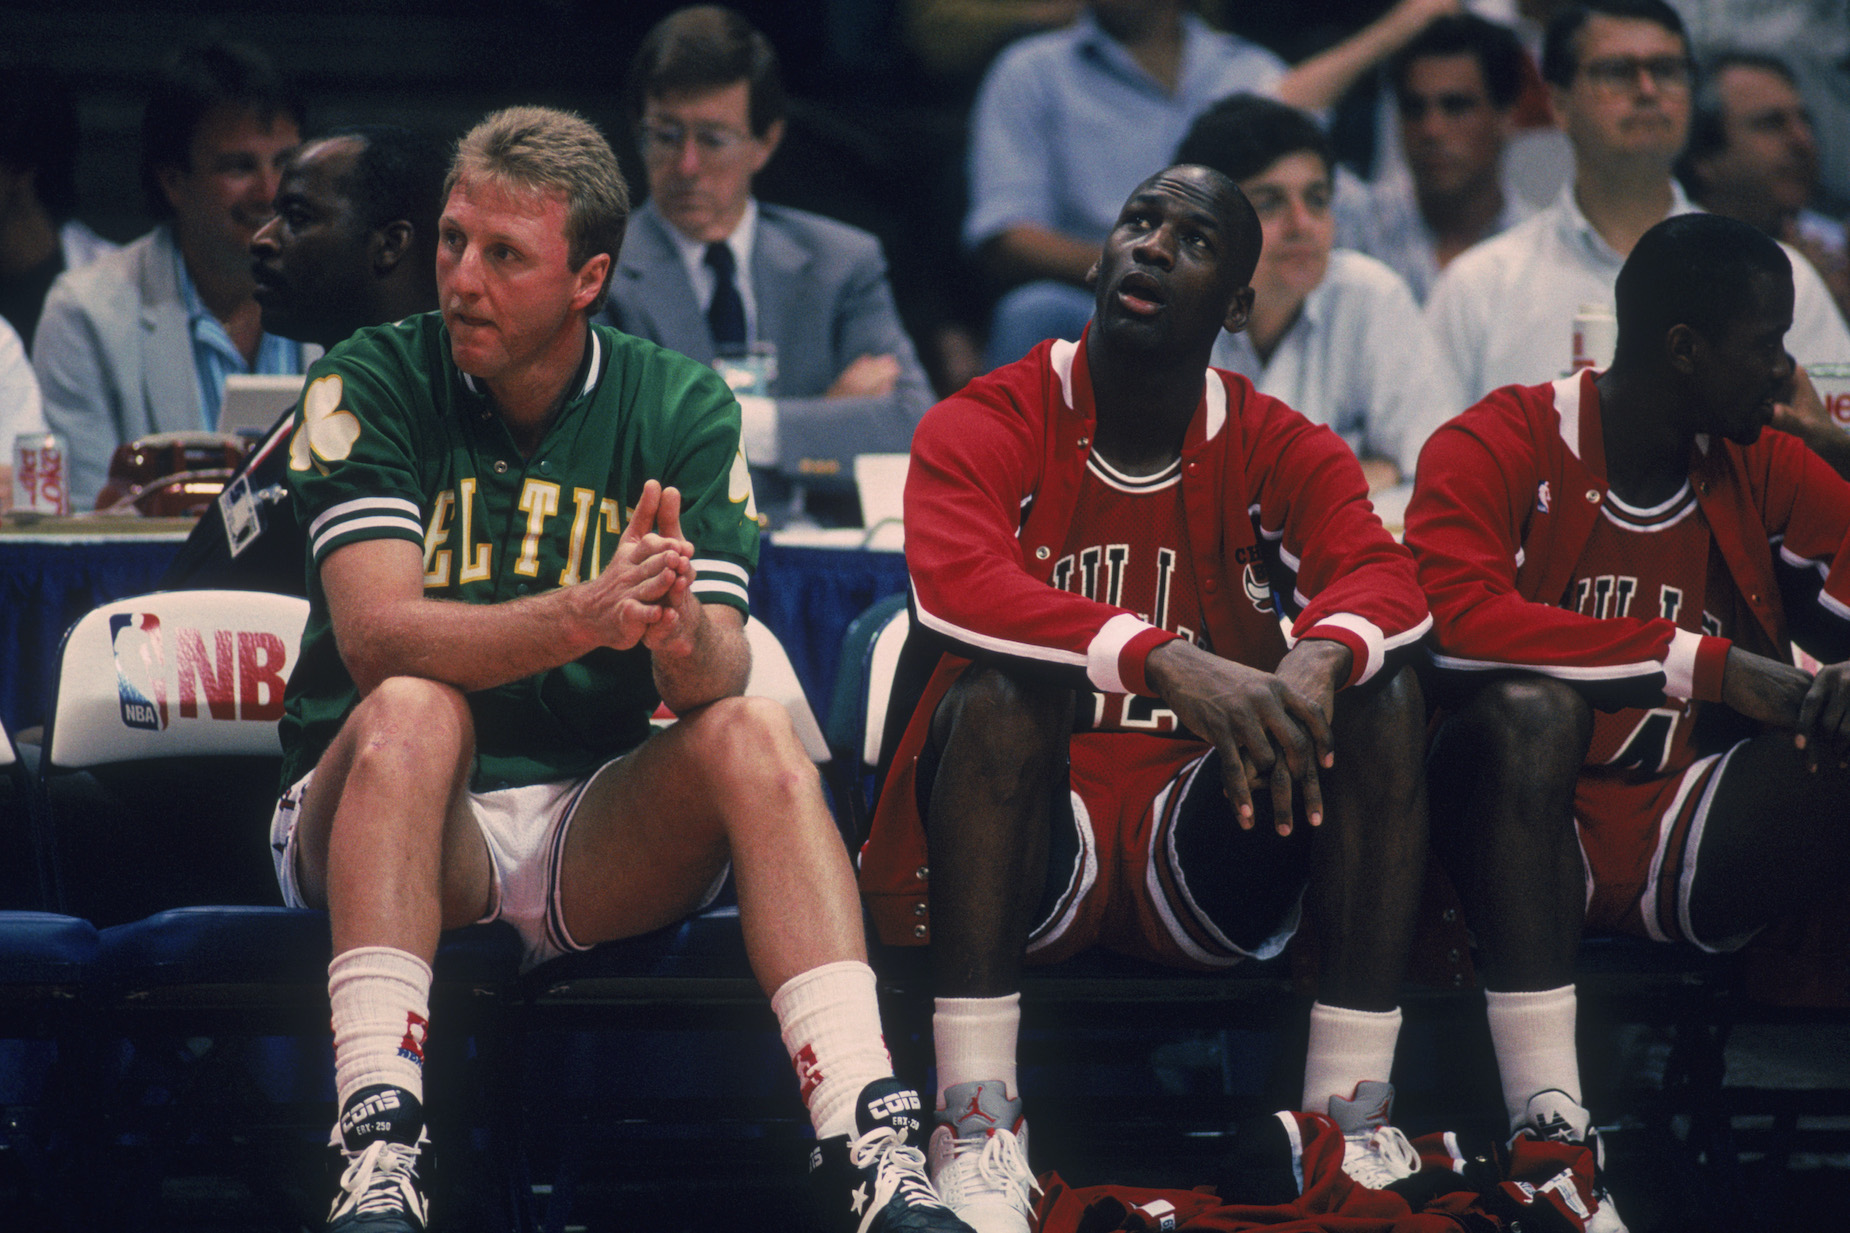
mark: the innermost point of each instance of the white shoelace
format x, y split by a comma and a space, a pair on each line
380, 1180
1001, 1168
1381, 1158
901, 1170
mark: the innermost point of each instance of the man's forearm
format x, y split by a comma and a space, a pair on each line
710, 661
470, 646
1029, 251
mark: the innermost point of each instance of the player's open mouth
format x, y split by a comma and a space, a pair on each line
1141, 293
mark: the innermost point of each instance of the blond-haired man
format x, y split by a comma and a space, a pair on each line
525, 529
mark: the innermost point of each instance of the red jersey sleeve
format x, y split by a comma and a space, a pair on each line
1336, 570
1477, 505
976, 465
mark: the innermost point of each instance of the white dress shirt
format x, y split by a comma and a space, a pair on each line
1503, 311
1360, 359
758, 415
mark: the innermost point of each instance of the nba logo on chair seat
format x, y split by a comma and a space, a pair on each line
236, 674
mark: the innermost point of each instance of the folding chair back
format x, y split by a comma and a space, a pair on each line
162, 759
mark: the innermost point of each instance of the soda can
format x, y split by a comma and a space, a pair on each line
41, 474
1596, 335
1833, 384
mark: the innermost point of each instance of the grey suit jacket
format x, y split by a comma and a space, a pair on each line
823, 299
114, 357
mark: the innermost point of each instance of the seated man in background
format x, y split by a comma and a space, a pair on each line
1068, 122
1333, 334
1753, 156
39, 237
466, 736
1619, 77
140, 340
352, 243
1455, 89
1136, 756
1617, 563
712, 272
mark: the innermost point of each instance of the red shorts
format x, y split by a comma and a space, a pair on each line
1640, 841
1120, 882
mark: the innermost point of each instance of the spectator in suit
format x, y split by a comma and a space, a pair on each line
1455, 87
1753, 155
140, 340
710, 270
352, 243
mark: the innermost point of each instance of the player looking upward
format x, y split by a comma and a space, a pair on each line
525, 530
1124, 749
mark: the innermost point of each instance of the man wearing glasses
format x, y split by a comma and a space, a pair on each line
1620, 78
795, 307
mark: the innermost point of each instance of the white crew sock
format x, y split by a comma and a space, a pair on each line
974, 1039
380, 998
831, 1027
1533, 1034
1347, 1047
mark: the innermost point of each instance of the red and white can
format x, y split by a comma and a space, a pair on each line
1833, 384
41, 474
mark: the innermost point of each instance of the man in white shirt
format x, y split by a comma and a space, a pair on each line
710, 271
1620, 76
1333, 333
1455, 88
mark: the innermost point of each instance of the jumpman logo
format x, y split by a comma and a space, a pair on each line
975, 1109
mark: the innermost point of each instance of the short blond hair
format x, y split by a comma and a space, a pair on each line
546, 150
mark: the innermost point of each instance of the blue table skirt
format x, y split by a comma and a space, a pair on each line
806, 595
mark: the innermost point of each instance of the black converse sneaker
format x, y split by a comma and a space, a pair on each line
381, 1136
874, 1181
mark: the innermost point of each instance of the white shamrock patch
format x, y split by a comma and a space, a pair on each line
330, 431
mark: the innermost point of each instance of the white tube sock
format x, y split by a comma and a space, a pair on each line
1347, 1047
830, 1022
974, 1040
380, 999
1533, 1034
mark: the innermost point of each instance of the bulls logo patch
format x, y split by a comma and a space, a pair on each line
1258, 589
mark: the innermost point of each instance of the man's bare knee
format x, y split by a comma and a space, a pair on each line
1528, 716
1015, 725
421, 724
750, 747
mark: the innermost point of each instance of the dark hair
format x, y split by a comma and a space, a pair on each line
1691, 269
1498, 53
38, 132
199, 79
397, 174
1242, 135
707, 47
1560, 52
1707, 132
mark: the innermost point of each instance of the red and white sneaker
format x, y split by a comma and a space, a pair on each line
1375, 1154
978, 1158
